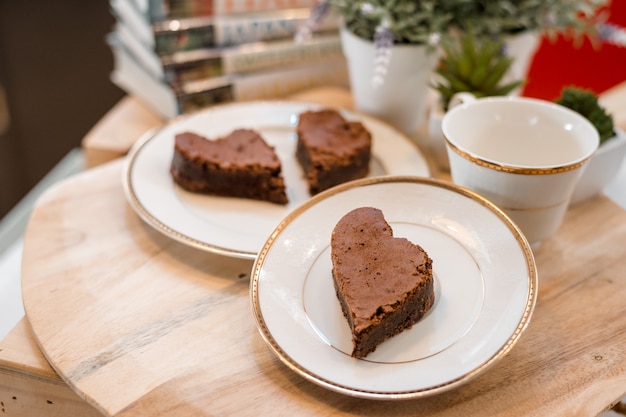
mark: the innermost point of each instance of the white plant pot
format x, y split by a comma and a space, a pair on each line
601, 168
402, 99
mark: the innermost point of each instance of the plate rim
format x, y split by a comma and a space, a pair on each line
147, 137
529, 305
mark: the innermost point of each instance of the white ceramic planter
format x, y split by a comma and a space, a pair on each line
402, 99
601, 168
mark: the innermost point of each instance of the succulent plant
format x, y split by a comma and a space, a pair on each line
475, 65
585, 102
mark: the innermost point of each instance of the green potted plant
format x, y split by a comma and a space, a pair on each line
416, 22
607, 160
585, 102
410, 22
391, 45
469, 64
473, 64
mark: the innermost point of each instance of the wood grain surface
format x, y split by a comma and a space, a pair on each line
140, 325
29, 386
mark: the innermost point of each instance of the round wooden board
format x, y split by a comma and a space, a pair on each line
138, 324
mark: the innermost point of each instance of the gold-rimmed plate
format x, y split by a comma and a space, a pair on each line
234, 226
485, 289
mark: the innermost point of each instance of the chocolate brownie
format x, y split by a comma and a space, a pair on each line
384, 284
240, 164
331, 150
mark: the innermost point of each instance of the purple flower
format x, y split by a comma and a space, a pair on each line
612, 34
383, 41
318, 13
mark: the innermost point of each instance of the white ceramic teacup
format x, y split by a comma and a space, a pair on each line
525, 155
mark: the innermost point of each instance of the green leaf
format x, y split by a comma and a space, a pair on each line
478, 76
496, 73
507, 88
459, 85
465, 66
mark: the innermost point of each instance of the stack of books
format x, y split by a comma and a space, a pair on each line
178, 56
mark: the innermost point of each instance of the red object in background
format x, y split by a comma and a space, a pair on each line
559, 63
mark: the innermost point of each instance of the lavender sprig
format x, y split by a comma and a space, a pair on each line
383, 42
318, 12
612, 34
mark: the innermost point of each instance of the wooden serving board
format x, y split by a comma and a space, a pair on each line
140, 325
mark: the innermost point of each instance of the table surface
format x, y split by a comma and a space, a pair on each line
138, 324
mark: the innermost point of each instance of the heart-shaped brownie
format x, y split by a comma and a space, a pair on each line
240, 164
384, 283
330, 149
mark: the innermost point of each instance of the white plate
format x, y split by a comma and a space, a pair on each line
485, 289
234, 226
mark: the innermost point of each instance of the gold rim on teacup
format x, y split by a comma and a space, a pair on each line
515, 169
